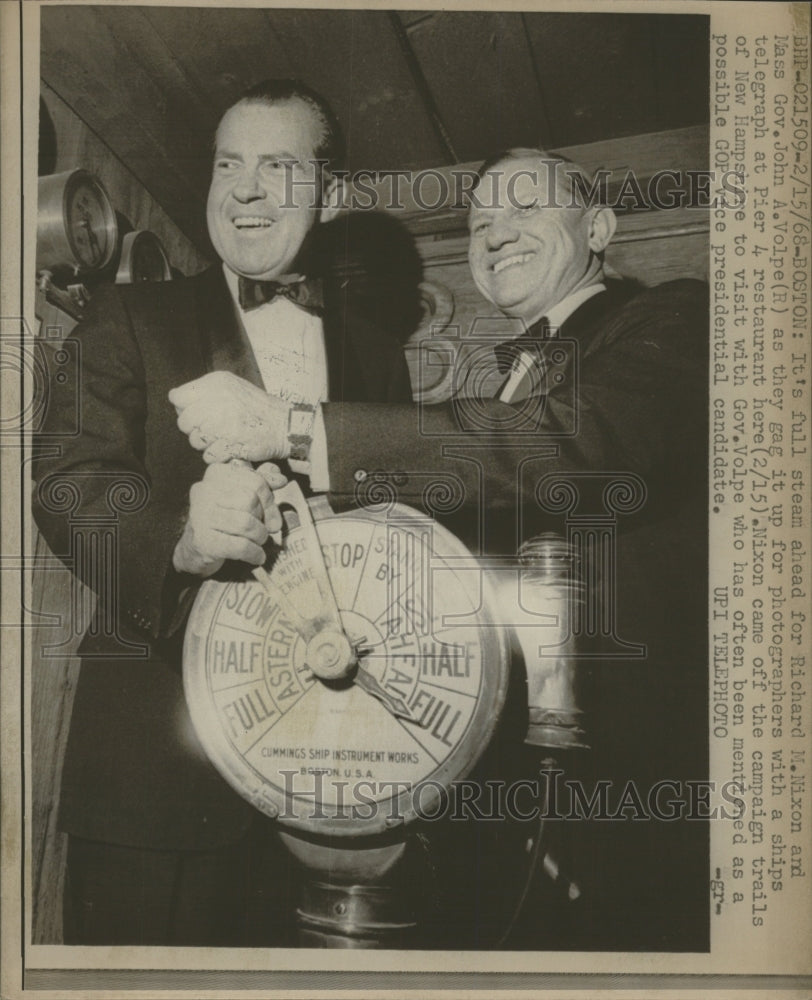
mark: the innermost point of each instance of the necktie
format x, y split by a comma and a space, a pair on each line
508, 351
304, 292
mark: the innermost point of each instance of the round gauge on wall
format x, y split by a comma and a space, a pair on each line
346, 688
143, 258
76, 223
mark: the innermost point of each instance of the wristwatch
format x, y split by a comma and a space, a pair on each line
300, 430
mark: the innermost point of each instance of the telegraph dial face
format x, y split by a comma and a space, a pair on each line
370, 750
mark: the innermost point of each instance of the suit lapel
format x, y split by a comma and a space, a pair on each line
588, 326
589, 321
224, 341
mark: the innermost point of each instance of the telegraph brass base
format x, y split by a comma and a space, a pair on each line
354, 916
558, 729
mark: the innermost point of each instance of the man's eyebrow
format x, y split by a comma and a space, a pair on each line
227, 154
282, 155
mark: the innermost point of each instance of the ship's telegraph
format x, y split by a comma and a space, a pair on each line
352, 680
344, 687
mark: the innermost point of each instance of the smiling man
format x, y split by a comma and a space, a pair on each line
160, 849
249, 227
533, 245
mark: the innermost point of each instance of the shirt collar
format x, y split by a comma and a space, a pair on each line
232, 280
557, 316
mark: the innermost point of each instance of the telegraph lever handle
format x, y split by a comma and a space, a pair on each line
330, 654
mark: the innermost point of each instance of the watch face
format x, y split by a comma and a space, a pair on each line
90, 221
373, 749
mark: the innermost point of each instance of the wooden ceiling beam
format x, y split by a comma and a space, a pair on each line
121, 102
422, 87
353, 58
546, 138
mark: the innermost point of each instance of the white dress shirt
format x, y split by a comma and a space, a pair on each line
288, 344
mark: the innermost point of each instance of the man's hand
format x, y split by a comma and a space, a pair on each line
231, 514
226, 417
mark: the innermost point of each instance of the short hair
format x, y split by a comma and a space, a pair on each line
330, 140
579, 180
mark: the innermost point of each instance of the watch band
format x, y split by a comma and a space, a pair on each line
301, 417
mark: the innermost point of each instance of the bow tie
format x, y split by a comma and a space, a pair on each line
305, 293
508, 351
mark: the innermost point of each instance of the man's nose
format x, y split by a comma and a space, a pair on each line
248, 187
500, 232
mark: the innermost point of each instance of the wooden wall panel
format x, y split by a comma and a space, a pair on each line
598, 73
109, 89
675, 149
218, 51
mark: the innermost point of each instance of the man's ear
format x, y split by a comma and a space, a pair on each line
602, 228
332, 197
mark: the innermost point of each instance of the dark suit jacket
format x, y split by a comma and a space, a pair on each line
639, 406
134, 772
640, 401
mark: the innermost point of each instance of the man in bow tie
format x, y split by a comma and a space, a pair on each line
160, 849
270, 188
